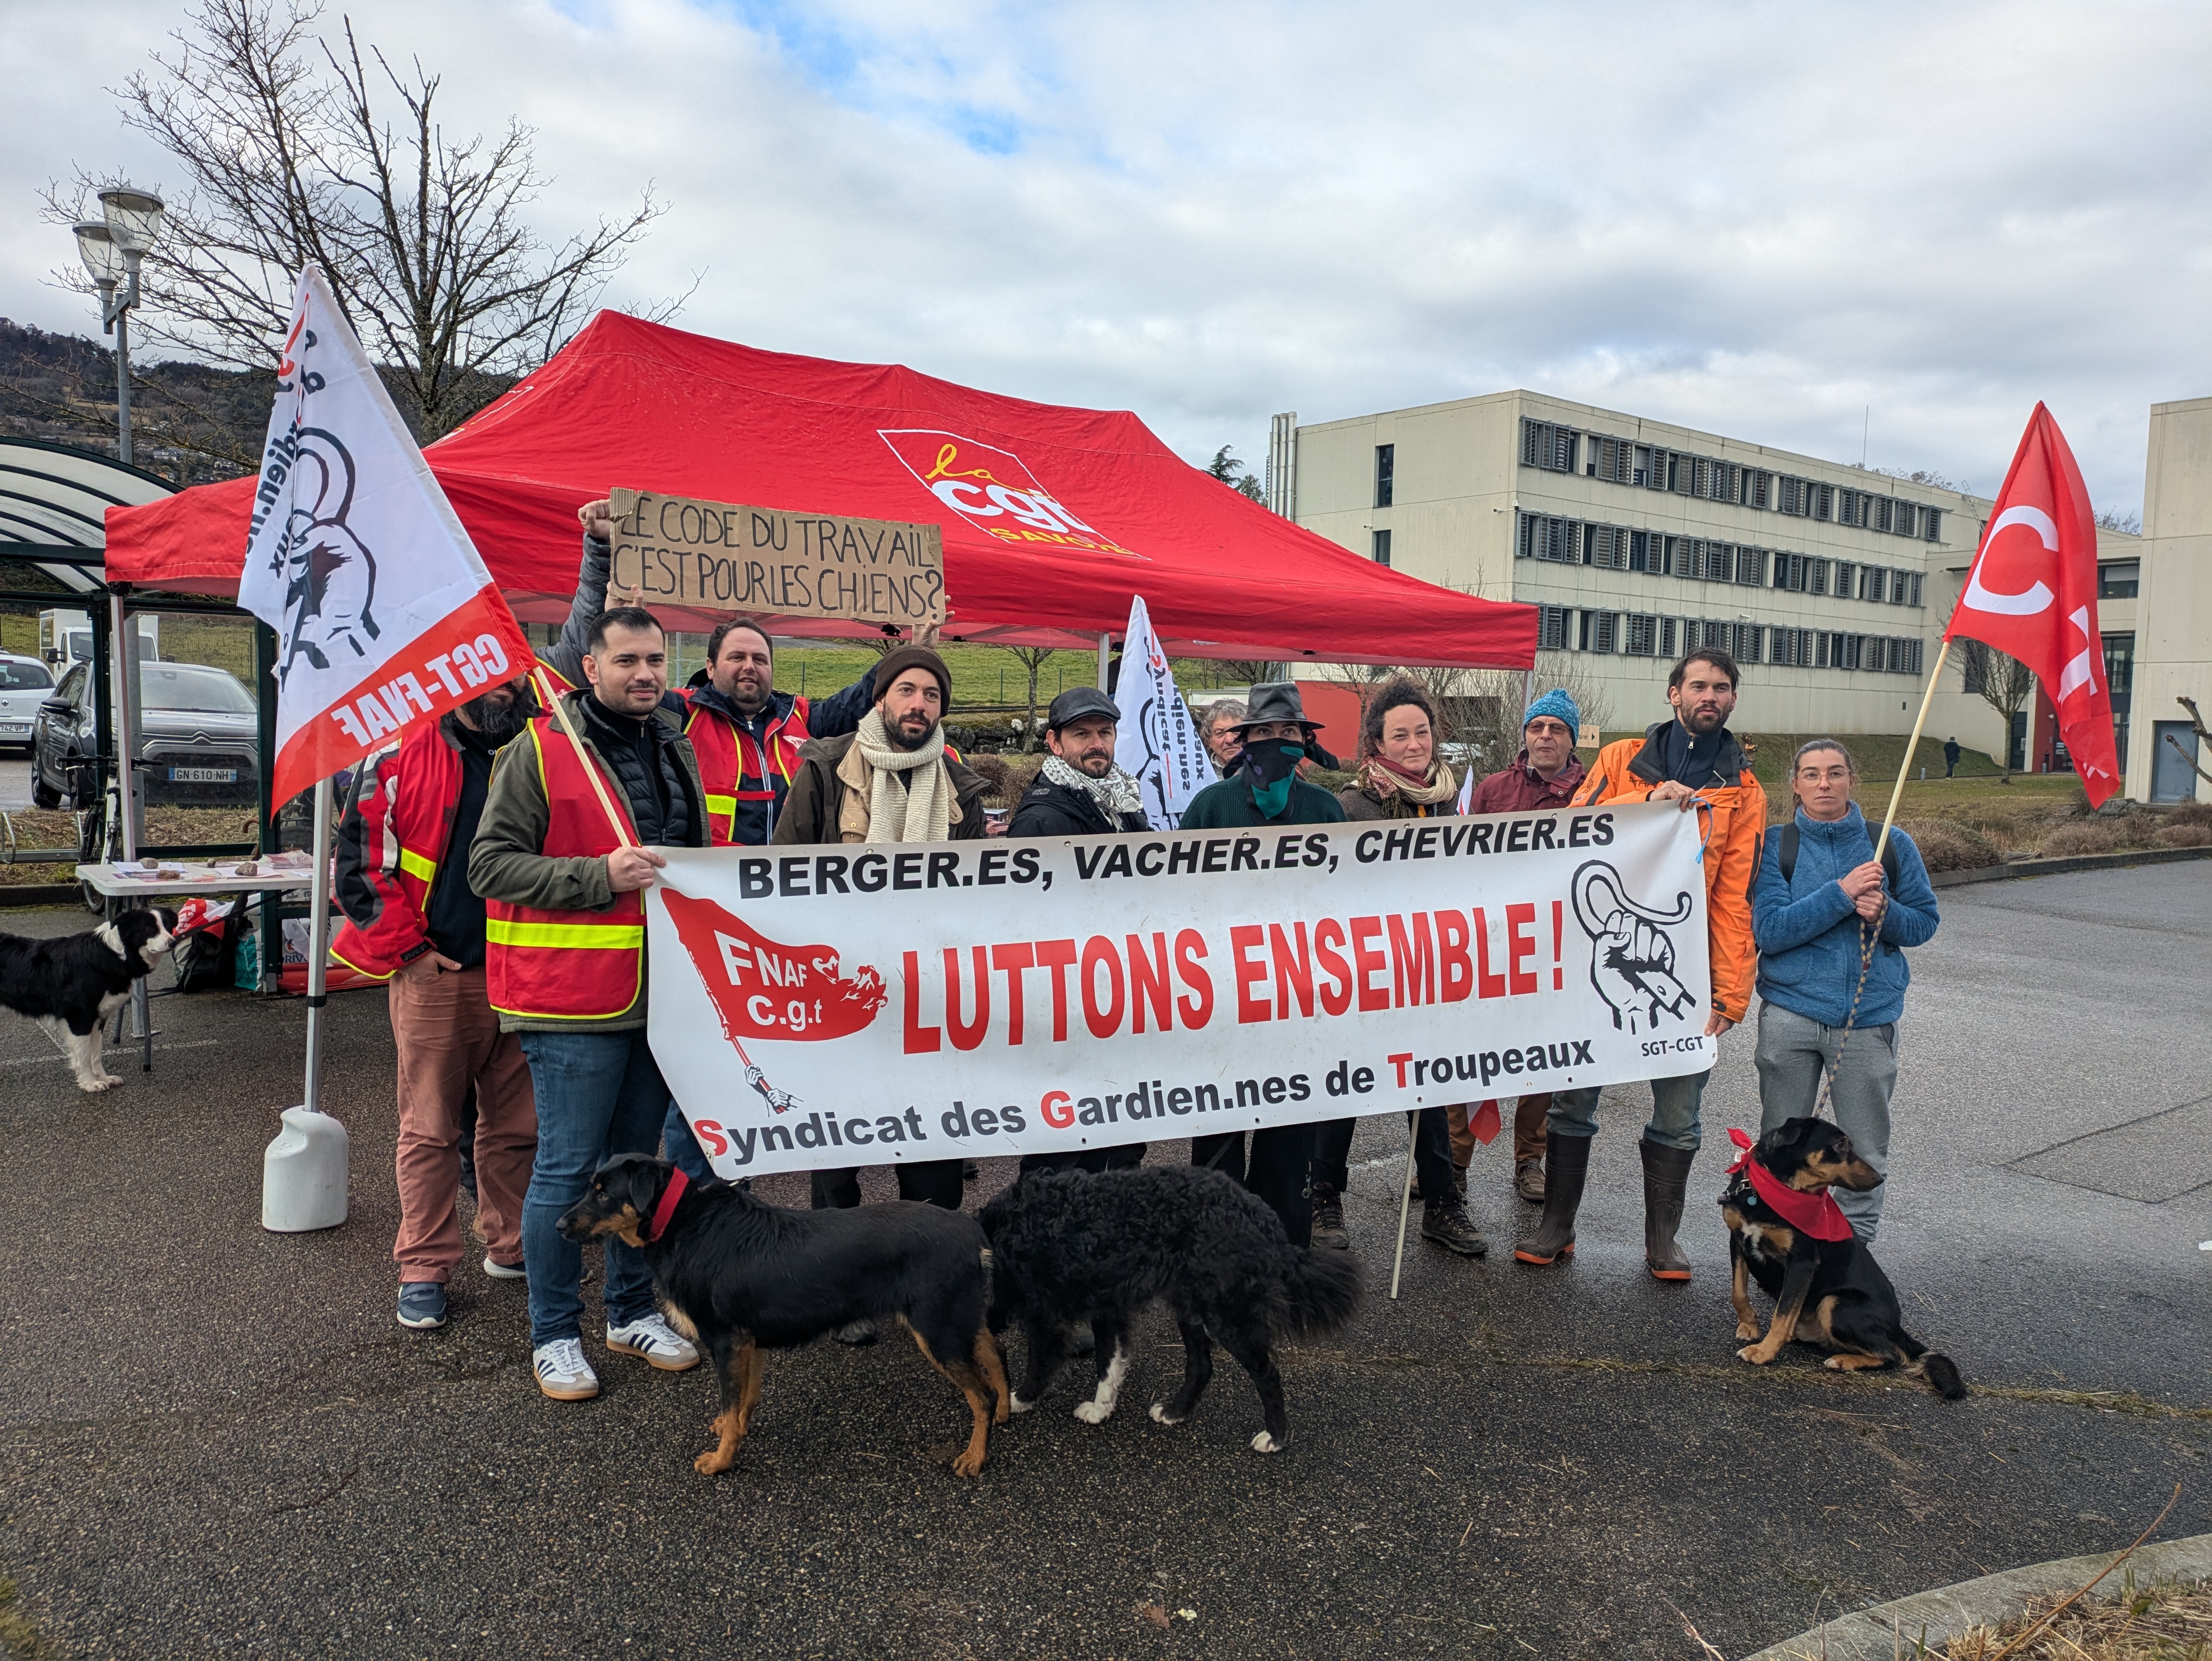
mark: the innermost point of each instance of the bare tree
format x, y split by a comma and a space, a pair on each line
1235, 475
2003, 682
2203, 739
2127, 521
289, 157
1033, 659
1480, 708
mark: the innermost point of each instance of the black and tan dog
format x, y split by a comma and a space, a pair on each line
742, 1275
1785, 1232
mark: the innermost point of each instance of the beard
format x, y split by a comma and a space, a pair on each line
499, 715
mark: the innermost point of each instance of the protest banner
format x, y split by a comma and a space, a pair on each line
864, 1004
723, 556
383, 610
1156, 741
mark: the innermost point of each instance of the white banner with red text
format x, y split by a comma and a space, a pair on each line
866, 1004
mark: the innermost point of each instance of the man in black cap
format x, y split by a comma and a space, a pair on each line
891, 780
1079, 791
1266, 790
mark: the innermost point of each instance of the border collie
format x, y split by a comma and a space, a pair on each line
72, 985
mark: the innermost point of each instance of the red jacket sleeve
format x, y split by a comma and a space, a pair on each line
383, 928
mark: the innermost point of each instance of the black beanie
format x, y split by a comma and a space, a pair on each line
912, 657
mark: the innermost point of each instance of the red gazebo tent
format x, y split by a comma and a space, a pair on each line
1052, 517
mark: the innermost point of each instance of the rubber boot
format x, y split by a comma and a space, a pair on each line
1566, 1162
1666, 1179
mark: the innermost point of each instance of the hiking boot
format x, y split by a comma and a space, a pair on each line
422, 1304
1329, 1230
1566, 1164
562, 1372
653, 1340
1666, 1179
1446, 1222
1529, 1180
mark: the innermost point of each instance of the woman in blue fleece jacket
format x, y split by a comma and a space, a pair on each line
1807, 926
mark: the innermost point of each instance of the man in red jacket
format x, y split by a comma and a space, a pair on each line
412, 918
1546, 773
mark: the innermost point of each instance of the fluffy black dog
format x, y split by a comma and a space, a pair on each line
742, 1275
1069, 1246
76, 982
1830, 1294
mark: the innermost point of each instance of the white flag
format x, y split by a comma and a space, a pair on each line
1157, 741
383, 611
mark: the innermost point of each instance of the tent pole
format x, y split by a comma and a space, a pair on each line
1105, 645
123, 645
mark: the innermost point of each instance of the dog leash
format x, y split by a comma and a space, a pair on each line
1869, 932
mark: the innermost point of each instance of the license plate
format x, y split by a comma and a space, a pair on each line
15, 729
203, 775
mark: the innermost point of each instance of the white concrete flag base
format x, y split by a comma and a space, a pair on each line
303, 1174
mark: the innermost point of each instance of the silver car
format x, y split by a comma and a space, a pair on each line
25, 683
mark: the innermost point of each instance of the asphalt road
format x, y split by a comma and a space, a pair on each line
218, 1441
14, 780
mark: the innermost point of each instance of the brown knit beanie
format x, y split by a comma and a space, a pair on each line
914, 657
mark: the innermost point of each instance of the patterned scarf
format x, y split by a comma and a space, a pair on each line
1116, 793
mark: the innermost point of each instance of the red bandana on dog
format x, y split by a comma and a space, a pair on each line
1816, 1215
678, 1182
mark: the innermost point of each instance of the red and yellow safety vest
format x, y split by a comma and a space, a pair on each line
735, 767
568, 966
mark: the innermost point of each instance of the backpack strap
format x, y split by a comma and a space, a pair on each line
1785, 854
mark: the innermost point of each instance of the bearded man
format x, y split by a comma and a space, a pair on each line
1080, 791
411, 919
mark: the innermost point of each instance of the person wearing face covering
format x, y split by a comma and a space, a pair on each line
1265, 792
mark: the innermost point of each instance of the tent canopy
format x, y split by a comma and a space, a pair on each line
1052, 517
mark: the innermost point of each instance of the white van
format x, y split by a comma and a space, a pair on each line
65, 637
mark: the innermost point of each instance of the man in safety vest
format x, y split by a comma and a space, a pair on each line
412, 920
561, 863
1693, 760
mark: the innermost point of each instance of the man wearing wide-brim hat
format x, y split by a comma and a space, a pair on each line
1266, 790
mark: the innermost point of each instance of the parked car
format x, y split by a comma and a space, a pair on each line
25, 683
199, 747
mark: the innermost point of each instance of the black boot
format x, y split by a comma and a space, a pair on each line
1666, 1179
1329, 1233
1446, 1222
1566, 1162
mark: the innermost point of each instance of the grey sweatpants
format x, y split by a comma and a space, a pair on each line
1792, 1051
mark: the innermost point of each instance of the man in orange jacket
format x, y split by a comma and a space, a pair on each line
1695, 762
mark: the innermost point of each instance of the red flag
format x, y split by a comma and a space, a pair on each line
762, 988
2032, 593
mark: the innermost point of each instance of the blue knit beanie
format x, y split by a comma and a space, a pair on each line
1556, 704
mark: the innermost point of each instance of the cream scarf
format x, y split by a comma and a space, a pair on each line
1441, 786
920, 809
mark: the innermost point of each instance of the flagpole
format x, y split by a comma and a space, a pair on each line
1912, 744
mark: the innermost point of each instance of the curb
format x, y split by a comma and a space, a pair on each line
22, 896
1872, 1635
2053, 867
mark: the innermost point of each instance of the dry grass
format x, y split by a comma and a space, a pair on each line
2153, 1622
166, 827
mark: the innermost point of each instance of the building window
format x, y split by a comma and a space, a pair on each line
1670, 637
1931, 524
1917, 579
1641, 472
1720, 562
1608, 459
1751, 567
1642, 636
1381, 547
1762, 490
1386, 463
1682, 474
1548, 447
1823, 500
1846, 573
1816, 575
1790, 496
1905, 522
1639, 551
2119, 580
1552, 627
1601, 631
2119, 678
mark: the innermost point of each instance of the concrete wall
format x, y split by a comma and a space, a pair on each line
2173, 632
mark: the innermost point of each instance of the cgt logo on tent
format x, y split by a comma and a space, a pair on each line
994, 491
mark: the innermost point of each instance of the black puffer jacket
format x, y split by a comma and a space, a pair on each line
1047, 809
656, 785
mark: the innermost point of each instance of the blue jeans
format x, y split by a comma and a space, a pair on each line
681, 1148
1675, 1104
598, 1094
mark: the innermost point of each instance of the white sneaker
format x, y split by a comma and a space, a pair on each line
562, 1372
652, 1338
499, 1271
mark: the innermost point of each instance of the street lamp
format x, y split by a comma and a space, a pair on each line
111, 249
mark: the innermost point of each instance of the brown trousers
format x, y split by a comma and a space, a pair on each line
1528, 1115
449, 1038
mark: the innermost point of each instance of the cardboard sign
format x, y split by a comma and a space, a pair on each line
721, 556
823, 1006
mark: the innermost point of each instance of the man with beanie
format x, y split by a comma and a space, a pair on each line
1693, 760
1264, 791
1545, 775
892, 780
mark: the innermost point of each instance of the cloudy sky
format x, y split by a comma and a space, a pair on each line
1758, 219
